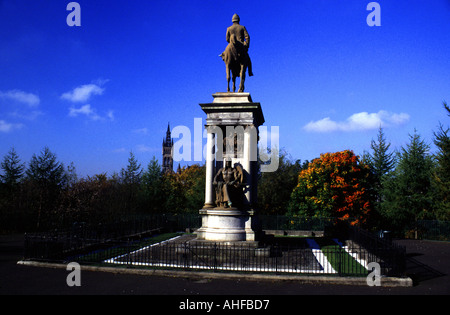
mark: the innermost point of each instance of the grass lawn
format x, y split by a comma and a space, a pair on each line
341, 261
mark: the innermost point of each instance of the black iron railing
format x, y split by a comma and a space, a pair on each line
373, 248
313, 255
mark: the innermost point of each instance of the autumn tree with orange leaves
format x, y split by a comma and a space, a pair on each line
336, 185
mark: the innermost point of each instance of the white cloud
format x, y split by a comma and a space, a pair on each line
323, 125
83, 110
83, 93
7, 127
29, 99
358, 122
90, 112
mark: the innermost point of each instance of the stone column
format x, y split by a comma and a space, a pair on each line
250, 156
209, 191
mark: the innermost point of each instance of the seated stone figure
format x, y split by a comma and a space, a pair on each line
228, 183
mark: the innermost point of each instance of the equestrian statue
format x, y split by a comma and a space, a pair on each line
235, 56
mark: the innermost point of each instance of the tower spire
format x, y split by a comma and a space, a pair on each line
167, 151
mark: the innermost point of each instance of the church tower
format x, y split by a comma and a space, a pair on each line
167, 151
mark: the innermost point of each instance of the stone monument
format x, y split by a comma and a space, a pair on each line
231, 168
232, 122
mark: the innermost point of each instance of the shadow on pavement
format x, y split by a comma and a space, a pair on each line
419, 271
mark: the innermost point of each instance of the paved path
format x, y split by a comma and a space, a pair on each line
428, 266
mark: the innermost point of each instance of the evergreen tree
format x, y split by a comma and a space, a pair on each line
441, 176
45, 181
152, 195
13, 169
382, 163
131, 179
408, 188
10, 199
46, 170
132, 174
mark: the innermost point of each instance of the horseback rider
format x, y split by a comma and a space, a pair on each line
237, 35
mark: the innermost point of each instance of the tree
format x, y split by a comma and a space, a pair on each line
381, 163
441, 176
10, 199
152, 193
132, 174
184, 191
408, 188
275, 188
336, 185
192, 179
45, 179
71, 174
13, 169
131, 179
46, 170
93, 199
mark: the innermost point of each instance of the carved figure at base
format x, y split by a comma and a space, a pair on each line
235, 56
228, 183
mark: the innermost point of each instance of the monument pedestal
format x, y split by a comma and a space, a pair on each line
225, 225
232, 135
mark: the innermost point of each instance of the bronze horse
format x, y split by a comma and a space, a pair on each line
236, 61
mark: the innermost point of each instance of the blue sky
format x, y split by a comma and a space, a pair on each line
96, 92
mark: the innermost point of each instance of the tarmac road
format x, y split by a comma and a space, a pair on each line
428, 265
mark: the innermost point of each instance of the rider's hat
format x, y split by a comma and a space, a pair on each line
235, 18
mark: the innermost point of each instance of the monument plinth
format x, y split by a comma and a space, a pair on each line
231, 168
